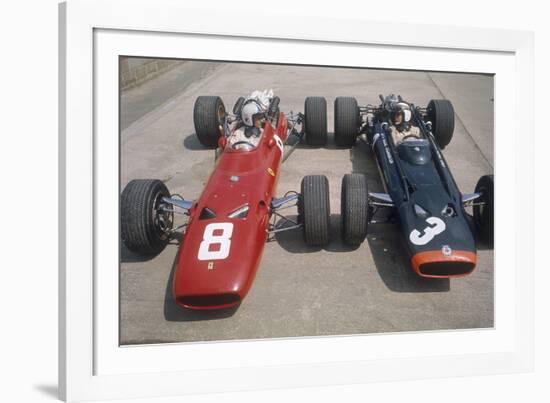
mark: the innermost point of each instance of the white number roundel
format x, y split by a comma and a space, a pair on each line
221, 241
436, 226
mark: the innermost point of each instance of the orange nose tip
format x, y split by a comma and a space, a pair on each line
436, 264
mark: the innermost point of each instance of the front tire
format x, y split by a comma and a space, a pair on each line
208, 115
484, 214
442, 115
315, 210
354, 208
315, 110
144, 227
346, 121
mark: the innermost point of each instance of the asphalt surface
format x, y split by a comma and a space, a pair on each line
300, 290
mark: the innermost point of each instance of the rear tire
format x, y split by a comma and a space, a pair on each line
315, 111
208, 116
346, 121
484, 215
143, 228
354, 208
315, 210
442, 115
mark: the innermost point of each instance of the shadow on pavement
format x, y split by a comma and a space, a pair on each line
175, 313
393, 265
331, 145
293, 241
191, 142
127, 256
363, 161
484, 245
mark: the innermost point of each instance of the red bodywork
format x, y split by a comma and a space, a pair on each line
239, 178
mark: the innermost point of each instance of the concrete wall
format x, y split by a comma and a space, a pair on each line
136, 70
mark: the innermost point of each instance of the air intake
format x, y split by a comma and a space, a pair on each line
447, 269
209, 300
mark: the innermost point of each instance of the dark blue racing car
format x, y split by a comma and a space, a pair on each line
420, 190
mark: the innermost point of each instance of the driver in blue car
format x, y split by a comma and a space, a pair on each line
401, 127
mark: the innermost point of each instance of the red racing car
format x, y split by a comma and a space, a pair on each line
228, 225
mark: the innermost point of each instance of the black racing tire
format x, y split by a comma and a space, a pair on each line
140, 223
442, 115
346, 121
208, 116
484, 214
238, 106
315, 111
315, 210
354, 208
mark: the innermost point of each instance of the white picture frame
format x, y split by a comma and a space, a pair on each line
93, 33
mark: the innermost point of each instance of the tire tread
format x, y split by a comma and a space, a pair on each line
315, 110
346, 121
315, 210
205, 119
443, 118
485, 225
354, 208
136, 224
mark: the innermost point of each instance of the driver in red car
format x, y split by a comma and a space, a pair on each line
253, 114
401, 127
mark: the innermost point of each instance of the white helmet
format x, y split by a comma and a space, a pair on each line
250, 110
406, 109
403, 109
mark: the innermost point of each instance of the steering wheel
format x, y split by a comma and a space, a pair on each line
242, 142
410, 136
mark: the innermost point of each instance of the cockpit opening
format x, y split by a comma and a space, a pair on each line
415, 151
245, 138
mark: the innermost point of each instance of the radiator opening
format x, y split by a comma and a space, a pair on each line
204, 301
446, 268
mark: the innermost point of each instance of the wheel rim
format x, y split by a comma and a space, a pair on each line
221, 113
163, 218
